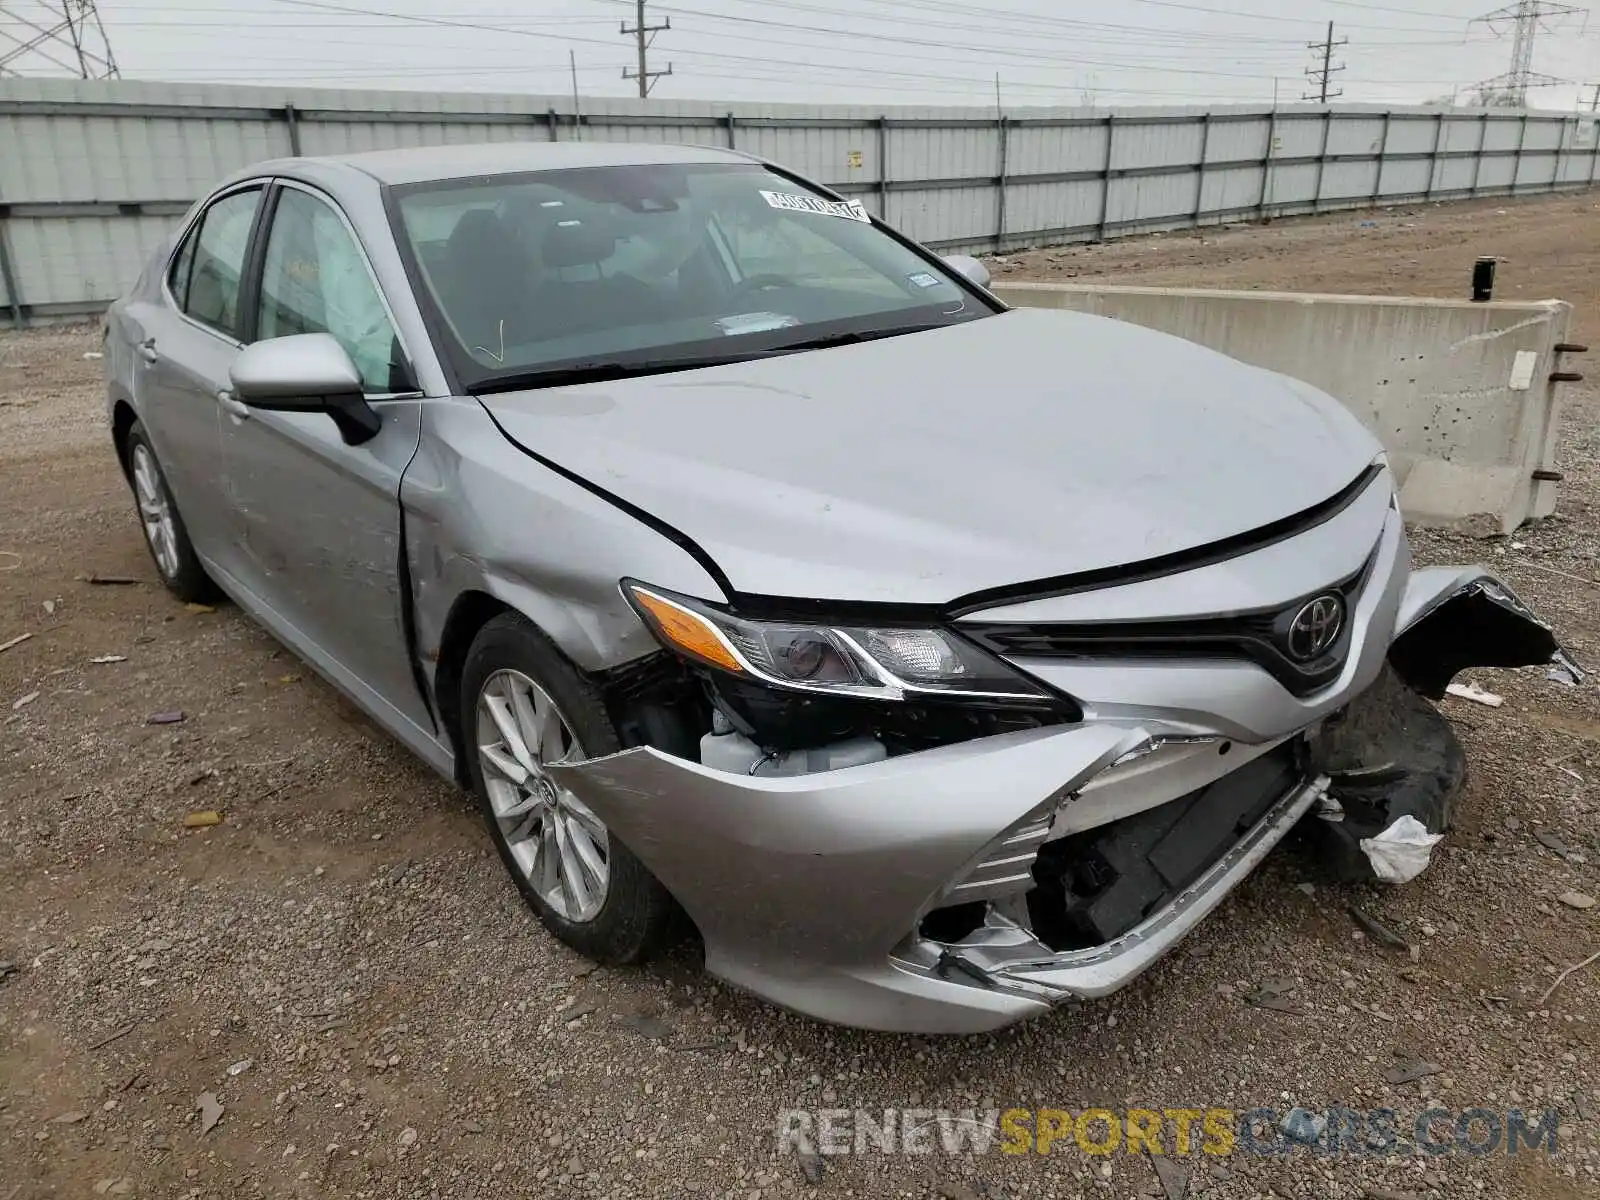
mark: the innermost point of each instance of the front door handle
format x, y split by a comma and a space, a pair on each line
147, 350
233, 406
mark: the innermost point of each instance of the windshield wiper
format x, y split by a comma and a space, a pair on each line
598, 372
847, 339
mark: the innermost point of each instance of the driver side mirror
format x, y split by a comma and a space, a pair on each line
968, 268
306, 372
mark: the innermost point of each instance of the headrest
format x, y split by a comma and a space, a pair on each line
479, 235
578, 243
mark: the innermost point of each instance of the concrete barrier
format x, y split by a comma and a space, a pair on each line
1459, 393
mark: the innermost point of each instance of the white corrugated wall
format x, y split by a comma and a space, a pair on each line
94, 174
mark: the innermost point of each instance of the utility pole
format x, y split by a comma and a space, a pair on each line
643, 35
1511, 89
1594, 101
64, 34
577, 109
1322, 76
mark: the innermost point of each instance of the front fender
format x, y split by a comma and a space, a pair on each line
1452, 618
482, 516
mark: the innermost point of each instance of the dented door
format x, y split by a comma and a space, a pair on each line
318, 521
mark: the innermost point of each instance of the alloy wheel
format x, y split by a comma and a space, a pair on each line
560, 846
155, 512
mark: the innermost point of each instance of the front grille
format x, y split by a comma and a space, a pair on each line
1259, 637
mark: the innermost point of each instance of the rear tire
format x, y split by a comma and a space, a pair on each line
523, 704
164, 532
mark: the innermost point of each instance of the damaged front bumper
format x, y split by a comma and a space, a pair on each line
905, 894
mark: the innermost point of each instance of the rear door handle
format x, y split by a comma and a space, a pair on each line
147, 350
234, 407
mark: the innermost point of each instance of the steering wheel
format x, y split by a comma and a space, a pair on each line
760, 283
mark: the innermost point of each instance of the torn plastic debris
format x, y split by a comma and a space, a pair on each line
1480, 623
1389, 755
1401, 852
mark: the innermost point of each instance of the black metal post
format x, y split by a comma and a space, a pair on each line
883, 168
1516, 168
292, 120
1000, 215
1266, 165
1200, 168
9, 278
1477, 161
1433, 158
554, 122
728, 121
1322, 159
1383, 156
1105, 191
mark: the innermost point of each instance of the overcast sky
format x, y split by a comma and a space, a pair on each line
861, 51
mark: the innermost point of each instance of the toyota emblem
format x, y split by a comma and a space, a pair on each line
1315, 628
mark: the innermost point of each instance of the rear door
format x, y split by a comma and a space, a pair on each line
189, 341
318, 521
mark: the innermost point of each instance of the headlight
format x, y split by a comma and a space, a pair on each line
872, 662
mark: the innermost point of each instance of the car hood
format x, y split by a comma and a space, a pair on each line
922, 468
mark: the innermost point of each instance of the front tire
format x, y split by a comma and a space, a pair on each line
523, 706
164, 531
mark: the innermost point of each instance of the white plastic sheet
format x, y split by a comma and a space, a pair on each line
1401, 852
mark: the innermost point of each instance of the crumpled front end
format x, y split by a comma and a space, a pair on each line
963, 887
1395, 764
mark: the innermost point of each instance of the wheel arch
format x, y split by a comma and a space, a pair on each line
122, 421
471, 611
649, 699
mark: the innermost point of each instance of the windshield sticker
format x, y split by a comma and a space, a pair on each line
923, 279
757, 322
851, 210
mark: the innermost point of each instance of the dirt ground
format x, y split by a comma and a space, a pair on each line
341, 966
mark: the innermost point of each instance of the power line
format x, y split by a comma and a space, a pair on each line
842, 68
967, 49
1510, 90
1322, 76
643, 35
61, 27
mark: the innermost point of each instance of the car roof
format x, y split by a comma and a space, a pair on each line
423, 164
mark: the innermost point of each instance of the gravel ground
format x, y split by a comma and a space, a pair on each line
341, 969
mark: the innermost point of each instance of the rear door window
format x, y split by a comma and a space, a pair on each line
182, 265
214, 294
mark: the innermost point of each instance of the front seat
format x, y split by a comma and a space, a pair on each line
486, 284
580, 296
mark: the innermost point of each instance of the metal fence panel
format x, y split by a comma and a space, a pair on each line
1298, 137
1406, 177
1363, 135
1495, 173
93, 174
1502, 133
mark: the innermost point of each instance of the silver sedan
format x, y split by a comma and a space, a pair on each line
761, 572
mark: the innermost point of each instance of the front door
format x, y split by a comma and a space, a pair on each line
318, 521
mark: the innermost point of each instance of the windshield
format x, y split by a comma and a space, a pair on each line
654, 268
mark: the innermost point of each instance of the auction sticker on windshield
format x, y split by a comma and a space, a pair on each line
851, 210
